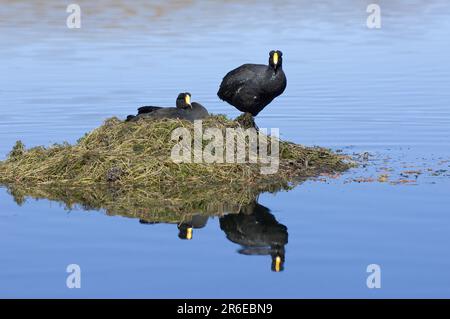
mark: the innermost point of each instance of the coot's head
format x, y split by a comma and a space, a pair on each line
277, 254
185, 231
277, 263
184, 100
276, 59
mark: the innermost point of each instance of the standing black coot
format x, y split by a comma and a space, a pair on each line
184, 110
251, 87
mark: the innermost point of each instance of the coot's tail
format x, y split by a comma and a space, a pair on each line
129, 118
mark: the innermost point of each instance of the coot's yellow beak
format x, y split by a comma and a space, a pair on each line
187, 99
277, 263
189, 233
276, 57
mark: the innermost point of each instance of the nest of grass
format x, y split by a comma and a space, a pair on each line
132, 159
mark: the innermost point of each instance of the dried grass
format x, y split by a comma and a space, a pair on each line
133, 160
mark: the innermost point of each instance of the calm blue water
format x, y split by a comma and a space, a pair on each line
383, 91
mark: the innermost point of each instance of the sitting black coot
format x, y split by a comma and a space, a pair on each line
184, 110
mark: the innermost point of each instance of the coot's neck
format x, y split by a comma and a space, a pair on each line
274, 69
181, 104
277, 69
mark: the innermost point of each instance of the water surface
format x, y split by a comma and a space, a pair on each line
349, 88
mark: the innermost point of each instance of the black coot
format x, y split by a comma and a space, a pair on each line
184, 110
251, 87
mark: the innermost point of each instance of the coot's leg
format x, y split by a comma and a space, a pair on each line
246, 120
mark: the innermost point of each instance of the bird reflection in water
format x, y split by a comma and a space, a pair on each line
186, 227
258, 232
253, 227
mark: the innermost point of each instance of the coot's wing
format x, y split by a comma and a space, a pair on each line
158, 113
237, 79
196, 113
166, 112
240, 87
148, 109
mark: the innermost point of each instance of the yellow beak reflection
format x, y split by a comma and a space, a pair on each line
275, 58
187, 99
189, 233
277, 264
